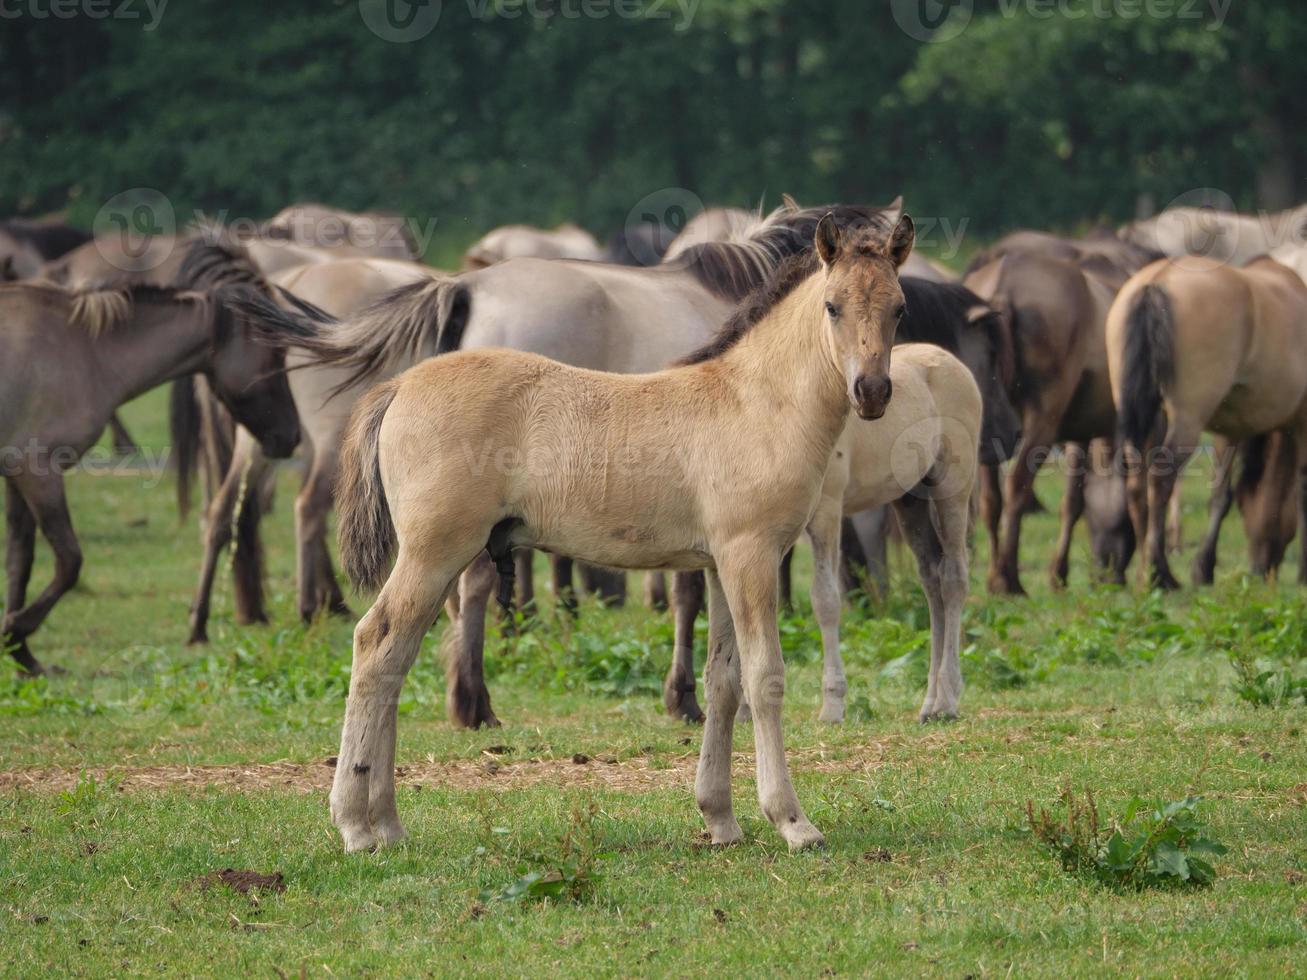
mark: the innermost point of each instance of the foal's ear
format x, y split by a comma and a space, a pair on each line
902, 240
829, 240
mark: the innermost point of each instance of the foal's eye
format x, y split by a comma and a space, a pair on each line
832, 310
901, 312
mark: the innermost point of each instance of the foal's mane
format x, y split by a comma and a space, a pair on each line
734, 269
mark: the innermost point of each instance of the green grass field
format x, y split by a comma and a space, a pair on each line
128, 783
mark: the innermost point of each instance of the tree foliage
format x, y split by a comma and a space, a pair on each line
1025, 118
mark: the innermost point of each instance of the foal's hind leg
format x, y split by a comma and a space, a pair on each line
937, 532
678, 688
386, 642
467, 699
712, 784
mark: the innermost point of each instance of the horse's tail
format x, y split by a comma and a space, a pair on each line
367, 533
184, 427
1148, 363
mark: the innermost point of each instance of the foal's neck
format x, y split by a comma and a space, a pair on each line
159, 341
786, 369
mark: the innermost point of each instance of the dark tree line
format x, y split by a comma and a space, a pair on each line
1022, 119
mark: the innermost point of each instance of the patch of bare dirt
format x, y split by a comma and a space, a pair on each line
632, 775
245, 882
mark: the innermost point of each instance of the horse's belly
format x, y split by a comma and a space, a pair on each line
1246, 413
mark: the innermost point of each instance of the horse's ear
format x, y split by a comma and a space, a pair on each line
829, 240
980, 312
902, 240
789, 203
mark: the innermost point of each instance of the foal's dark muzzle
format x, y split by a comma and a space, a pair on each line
871, 395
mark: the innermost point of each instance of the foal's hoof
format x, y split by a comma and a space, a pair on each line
388, 832
725, 833
357, 839
802, 836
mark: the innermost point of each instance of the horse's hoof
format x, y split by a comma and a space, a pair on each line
725, 833
357, 839
679, 699
1006, 585
389, 831
1165, 582
198, 637
832, 713
802, 836
929, 718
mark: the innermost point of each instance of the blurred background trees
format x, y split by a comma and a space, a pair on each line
1030, 116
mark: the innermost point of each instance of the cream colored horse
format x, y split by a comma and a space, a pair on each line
922, 457
1215, 349
717, 464
523, 241
1220, 235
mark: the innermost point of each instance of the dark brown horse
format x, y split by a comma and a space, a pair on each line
108, 346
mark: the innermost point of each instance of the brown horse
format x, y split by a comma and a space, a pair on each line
108, 346
1204, 347
671, 469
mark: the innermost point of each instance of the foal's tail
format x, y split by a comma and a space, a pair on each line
367, 533
1148, 363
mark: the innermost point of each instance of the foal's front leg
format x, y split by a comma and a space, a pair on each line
19, 551
749, 579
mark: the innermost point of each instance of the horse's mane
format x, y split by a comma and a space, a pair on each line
734, 269
211, 263
102, 308
792, 273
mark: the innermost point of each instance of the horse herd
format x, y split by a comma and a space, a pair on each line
692, 415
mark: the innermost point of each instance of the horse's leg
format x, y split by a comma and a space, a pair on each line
564, 592
47, 503
1073, 507
1040, 427
19, 552
712, 784
914, 513
123, 443
991, 512
606, 584
787, 582
1181, 441
247, 557
655, 591
467, 699
952, 524
316, 577
1218, 508
524, 567
824, 532
386, 642
678, 688
217, 535
748, 575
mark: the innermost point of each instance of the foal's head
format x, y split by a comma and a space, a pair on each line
864, 305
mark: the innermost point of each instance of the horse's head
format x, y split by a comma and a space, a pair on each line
864, 305
247, 368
